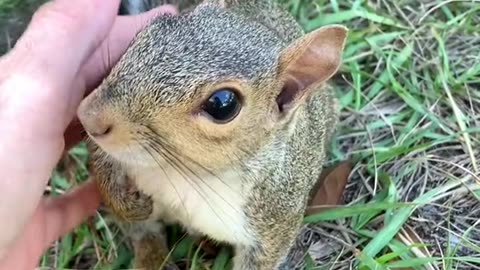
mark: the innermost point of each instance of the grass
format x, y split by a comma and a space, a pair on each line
410, 119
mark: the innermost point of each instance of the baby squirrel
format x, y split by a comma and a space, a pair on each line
217, 119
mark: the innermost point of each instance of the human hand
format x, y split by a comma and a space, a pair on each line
65, 52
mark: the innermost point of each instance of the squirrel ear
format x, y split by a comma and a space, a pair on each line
309, 62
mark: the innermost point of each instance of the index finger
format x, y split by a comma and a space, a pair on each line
43, 66
123, 31
107, 54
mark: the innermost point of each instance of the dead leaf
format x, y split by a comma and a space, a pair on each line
329, 188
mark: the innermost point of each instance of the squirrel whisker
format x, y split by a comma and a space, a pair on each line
168, 147
179, 164
178, 167
164, 171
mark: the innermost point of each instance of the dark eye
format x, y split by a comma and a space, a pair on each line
223, 105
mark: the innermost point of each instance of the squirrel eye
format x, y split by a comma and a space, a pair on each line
223, 105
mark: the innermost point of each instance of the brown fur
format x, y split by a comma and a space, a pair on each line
261, 166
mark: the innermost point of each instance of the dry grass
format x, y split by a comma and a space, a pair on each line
410, 112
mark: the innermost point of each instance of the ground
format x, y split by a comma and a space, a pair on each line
410, 122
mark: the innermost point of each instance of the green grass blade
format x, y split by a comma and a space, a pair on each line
384, 76
356, 45
221, 261
400, 217
343, 212
343, 16
368, 262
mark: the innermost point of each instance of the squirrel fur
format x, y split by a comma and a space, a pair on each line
159, 160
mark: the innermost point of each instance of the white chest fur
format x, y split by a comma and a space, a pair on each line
209, 204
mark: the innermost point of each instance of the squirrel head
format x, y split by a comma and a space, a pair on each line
210, 87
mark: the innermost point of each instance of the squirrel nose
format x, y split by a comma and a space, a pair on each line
95, 121
100, 129
96, 126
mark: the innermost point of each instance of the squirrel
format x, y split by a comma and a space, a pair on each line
217, 119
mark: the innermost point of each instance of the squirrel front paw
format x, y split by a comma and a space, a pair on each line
126, 201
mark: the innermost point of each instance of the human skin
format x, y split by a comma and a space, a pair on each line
69, 46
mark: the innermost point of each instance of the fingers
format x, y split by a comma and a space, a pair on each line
64, 213
36, 81
123, 31
102, 60
60, 38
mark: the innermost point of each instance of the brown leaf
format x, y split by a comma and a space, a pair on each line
329, 188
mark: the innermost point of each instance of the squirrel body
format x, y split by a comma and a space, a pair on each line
162, 151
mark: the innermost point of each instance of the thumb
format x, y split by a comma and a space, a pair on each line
64, 213
54, 217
